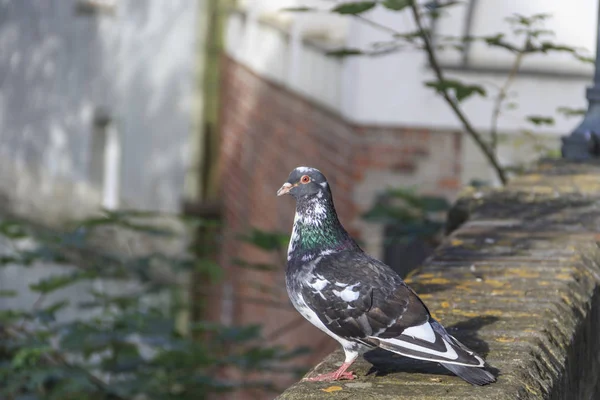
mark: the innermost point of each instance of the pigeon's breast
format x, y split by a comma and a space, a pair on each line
301, 306
294, 283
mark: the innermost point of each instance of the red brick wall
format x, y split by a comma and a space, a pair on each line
266, 132
401, 150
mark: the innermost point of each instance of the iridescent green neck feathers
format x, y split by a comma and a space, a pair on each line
317, 230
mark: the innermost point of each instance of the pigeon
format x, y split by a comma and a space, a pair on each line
356, 299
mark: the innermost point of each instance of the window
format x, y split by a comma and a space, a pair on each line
105, 159
96, 7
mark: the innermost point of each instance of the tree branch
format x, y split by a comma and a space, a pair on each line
377, 25
504, 93
475, 135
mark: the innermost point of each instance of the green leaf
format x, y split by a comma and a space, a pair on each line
56, 282
434, 8
409, 214
345, 52
12, 230
47, 314
536, 33
447, 4
396, 5
494, 40
434, 203
585, 59
571, 112
76, 385
126, 358
413, 35
210, 269
8, 293
121, 301
88, 339
549, 46
389, 214
498, 41
354, 8
539, 120
269, 241
461, 91
299, 9
7, 316
8, 260
28, 356
521, 20
125, 219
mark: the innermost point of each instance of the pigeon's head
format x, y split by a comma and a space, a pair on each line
305, 182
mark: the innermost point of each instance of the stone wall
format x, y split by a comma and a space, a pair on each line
519, 282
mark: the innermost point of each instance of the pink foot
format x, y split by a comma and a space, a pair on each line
338, 375
332, 376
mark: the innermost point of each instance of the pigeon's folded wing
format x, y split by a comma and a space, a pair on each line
356, 296
359, 298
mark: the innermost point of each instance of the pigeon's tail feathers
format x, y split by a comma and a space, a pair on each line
441, 351
430, 341
475, 376
446, 350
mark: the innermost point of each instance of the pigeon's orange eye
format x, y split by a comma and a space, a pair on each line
305, 179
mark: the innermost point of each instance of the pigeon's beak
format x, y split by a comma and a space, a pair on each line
284, 189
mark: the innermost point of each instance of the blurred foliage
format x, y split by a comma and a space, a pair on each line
121, 338
355, 7
268, 241
526, 35
571, 112
413, 215
460, 90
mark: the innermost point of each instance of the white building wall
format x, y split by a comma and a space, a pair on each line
391, 87
57, 67
290, 48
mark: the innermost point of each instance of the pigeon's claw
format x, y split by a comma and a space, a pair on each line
340, 374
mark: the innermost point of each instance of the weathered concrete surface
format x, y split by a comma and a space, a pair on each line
519, 282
